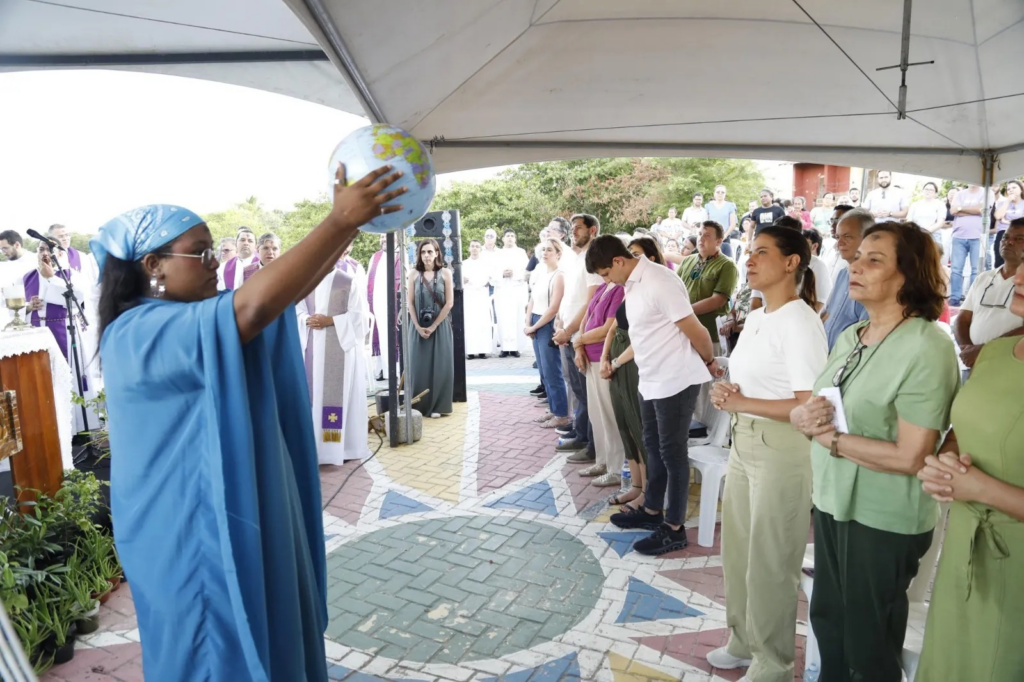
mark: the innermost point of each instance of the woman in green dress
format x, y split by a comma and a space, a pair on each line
432, 351
975, 631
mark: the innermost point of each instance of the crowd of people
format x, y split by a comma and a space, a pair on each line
844, 389
827, 335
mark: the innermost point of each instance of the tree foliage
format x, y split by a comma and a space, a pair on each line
623, 193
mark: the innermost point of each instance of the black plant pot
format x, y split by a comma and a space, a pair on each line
65, 653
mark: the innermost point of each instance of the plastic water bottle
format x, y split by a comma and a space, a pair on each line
627, 477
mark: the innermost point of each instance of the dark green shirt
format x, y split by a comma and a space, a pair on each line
719, 276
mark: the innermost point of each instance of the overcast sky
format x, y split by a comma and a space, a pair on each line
79, 147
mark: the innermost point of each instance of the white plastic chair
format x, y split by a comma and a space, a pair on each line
710, 456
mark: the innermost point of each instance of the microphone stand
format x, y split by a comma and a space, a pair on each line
72, 303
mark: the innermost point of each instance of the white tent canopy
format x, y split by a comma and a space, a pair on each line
506, 81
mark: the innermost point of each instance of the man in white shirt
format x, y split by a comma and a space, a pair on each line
822, 275
579, 289
695, 214
985, 314
671, 227
19, 259
233, 273
674, 356
854, 197
886, 203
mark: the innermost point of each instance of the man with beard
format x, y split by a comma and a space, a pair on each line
579, 289
233, 273
886, 203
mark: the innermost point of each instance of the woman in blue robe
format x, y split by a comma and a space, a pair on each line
215, 492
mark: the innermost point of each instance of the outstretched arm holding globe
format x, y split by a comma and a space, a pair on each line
287, 280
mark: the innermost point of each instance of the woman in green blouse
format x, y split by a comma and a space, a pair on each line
975, 630
897, 374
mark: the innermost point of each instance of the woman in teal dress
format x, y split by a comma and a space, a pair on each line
975, 630
214, 488
432, 351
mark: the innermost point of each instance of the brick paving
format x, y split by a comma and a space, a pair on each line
478, 554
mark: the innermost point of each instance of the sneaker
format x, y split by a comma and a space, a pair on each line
662, 541
538, 390
568, 431
638, 518
514, 353
723, 660
540, 420
566, 445
581, 456
595, 470
610, 478
555, 422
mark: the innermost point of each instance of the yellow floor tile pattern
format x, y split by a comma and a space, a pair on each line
432, 465
625, 670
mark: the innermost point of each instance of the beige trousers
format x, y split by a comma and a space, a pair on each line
766, 517
607, 444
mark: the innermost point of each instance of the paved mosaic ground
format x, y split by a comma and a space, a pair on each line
477, 553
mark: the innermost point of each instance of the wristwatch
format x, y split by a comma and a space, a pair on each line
615, 363
834, 448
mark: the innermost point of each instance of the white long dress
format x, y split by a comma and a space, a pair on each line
477, 310
350, 328
379, 266
511, 295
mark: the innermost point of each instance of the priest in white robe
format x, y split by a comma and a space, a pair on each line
332, 326
511, 294
377, 298
476, 301
245, 264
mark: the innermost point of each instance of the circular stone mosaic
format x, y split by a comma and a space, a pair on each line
458, 589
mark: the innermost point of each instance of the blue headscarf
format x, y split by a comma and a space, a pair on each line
132, 235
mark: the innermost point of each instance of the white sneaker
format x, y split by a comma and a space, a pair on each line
723, 660
594, 470
610, 478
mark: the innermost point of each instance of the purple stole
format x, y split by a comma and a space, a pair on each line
334, 360
370, 278
74, 259
247, 272
56, 318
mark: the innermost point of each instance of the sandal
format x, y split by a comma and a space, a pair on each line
615, 501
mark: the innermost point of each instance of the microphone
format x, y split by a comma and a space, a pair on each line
46, 240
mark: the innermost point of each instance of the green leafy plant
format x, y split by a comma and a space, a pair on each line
34, 634
98, 438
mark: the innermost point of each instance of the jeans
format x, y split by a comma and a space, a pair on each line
988, 251
578, 384
550, 366
963, 250
666, 429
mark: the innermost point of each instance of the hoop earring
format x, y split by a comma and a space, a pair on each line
156, 287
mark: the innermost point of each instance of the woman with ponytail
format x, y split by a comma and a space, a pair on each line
767, 506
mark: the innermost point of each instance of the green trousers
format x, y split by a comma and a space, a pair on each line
626, 401
859, 607
766, 517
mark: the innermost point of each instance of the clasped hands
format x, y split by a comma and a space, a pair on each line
813, 418
948, 477
318, 321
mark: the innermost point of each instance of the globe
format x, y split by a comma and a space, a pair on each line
368, 148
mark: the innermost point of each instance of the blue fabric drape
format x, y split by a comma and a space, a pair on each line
215, 493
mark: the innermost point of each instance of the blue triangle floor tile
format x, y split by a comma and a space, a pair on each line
534, 497
397, 504
622, 543
328, 536
564, 669
646, 603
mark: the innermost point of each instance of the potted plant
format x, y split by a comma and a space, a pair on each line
58, 611
78, 585
35, 637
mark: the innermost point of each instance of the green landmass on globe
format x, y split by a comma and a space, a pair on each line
390, 142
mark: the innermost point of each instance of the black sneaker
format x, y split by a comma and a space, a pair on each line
567, 431
662, 541
514, 353
638, 518
538, 390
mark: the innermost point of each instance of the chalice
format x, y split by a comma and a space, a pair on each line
14, 299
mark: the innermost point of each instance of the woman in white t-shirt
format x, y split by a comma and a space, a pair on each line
929, 213
767, 509
545, 298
